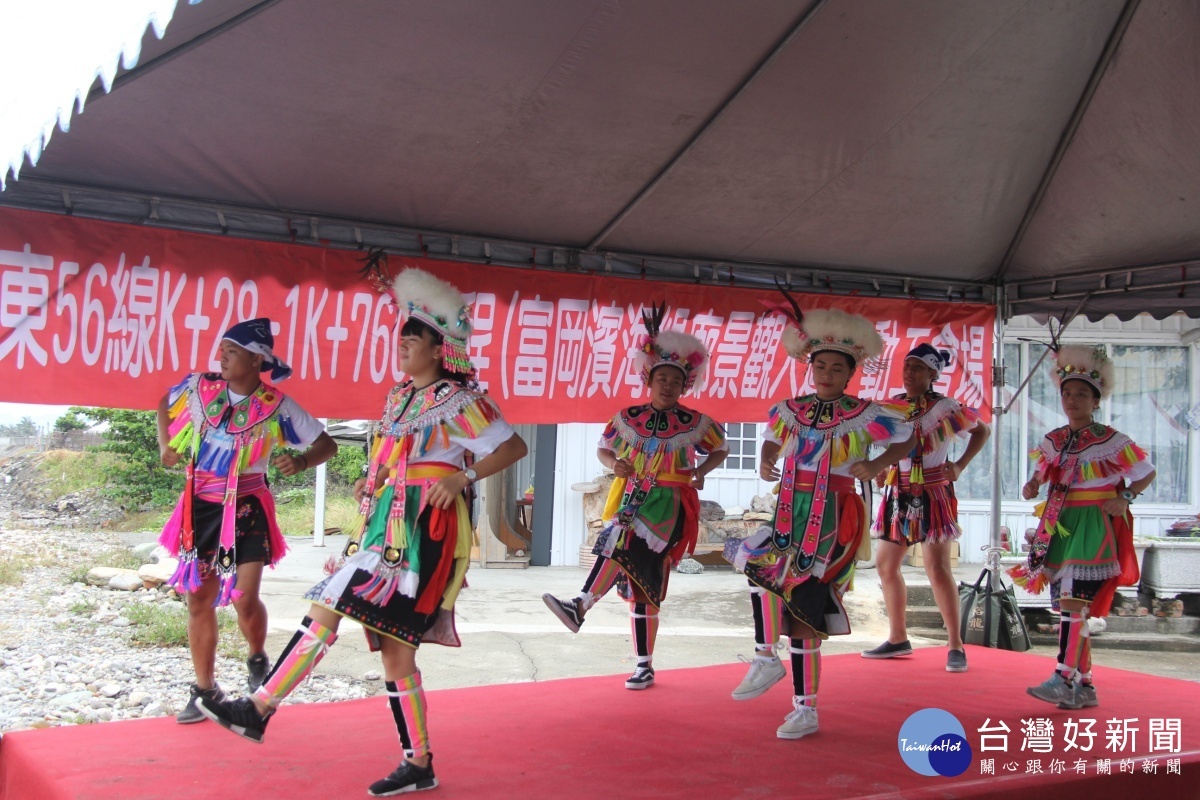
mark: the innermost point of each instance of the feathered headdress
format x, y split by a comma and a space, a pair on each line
431, 300
657, 348
823, 330
1087, 363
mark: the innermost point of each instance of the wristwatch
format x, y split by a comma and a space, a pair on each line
471, 474
1127, 496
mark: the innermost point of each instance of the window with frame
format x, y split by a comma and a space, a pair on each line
1149, 403
742, 438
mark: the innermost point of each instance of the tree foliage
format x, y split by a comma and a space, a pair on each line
136, 476
26, 427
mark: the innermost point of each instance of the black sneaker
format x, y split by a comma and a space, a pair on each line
956, 661
407, 777
642, 678
191, 712
259, 666
239, 716
888, 650
567, 611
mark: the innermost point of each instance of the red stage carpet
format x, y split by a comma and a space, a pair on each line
589, 737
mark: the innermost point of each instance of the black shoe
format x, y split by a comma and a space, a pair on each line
191, 713
888, 650
239, 716
567, 611
642, 678
407, 777
956, 661
259, 666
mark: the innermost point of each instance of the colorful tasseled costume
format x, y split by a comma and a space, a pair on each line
227, 443
655, 516
1075, 540
806, 556
403, 568
918, 502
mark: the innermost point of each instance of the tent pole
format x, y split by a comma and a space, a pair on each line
998, 411
319, 503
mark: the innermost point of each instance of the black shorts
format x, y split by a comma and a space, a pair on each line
252, 536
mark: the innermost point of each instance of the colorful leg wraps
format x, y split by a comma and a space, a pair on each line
393, 695
768, 615
806, 670
407, 699
602, 577
303, 652
643, 618
1073, 641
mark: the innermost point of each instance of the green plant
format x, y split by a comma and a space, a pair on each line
165, 625
63, 472
82, 608
118, 557
135, 476
12, 572
296, 517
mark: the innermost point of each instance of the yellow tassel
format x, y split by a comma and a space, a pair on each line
399, 531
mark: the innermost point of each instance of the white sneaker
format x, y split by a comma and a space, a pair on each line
801, 722
764, 673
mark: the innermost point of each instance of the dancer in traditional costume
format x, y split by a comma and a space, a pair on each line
223, 530
801, 564
919, 506
653, 503
402, 570
1083, 548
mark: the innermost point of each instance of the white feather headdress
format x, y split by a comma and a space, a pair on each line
1087, 363
670, 348
831, 329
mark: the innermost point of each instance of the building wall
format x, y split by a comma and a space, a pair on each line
576, 462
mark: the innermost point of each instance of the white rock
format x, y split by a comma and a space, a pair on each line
371, 675
145, 551
139, 698
158, 573
154, 709
110, 690
100, 576
120, 622
125, 582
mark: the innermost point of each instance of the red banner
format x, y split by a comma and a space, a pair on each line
102, 314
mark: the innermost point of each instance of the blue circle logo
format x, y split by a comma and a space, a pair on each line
933, 742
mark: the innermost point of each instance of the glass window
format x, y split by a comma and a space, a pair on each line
743, 447
1150, 400
976, 482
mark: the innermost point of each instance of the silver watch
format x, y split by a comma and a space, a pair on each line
472, 476
1128, 496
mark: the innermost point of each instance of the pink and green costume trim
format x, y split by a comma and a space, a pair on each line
1073, 533
221, 439
805, 557
918, 503
662, 446
388, 539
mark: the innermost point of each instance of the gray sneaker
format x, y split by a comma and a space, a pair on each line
1057, 690
956, 661
191, 713
1085, 697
